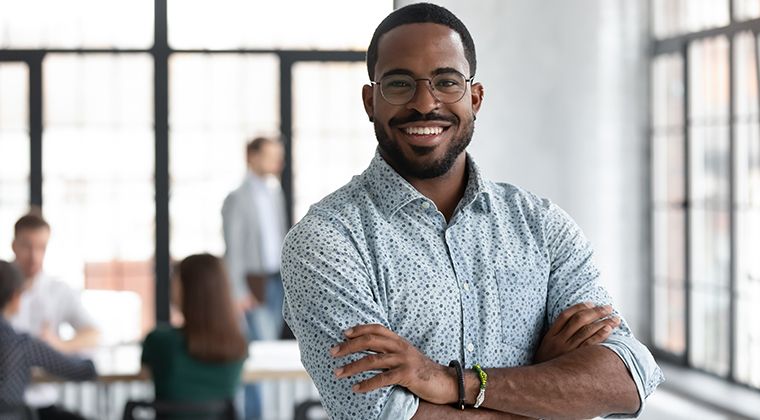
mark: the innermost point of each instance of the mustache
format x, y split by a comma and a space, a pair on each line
417, 116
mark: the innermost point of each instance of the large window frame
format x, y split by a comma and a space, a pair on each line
161, 53
678, 45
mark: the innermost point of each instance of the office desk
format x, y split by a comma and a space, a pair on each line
267, 360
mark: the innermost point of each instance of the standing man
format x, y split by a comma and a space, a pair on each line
423, 290
46, 305
255, 223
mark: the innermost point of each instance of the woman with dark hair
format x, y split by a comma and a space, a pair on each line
202, 359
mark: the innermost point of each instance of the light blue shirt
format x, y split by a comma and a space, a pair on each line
482, 288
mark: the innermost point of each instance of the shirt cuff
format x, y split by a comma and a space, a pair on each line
401, 404
642, 366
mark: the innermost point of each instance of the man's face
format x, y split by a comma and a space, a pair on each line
423, 138
29, 247
269, 160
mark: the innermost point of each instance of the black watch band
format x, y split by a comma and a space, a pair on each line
460, 380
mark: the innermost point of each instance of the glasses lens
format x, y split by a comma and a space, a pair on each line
397, 89
449, 87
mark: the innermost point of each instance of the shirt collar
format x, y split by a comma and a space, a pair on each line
392, 192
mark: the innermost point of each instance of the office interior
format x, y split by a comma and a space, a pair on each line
126, 122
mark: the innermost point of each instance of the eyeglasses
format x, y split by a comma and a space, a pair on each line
399, 89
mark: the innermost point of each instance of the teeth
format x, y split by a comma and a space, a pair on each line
424, 131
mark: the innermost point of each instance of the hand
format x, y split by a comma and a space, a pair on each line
579, 325
51, 338
402, 364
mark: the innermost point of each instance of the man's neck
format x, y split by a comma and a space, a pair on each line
446, 190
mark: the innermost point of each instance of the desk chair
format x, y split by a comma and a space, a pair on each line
210, 410
21, 412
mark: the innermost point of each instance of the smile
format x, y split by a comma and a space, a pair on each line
423, 131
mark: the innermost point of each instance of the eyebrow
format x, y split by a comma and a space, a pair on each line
436, 72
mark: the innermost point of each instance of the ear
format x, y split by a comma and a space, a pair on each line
476, 97
368, 98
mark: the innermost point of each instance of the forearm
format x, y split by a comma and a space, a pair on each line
428, 411
85, 338
588, 382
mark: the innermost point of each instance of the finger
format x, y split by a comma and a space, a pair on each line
376, 329
379, 361
391, 377
565, 315
583, 318
367, 342
598, 337
591, 329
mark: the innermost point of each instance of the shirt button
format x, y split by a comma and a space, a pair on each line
466, 286
425, 205
470, 348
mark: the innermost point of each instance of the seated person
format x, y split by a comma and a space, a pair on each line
201, 360
20, 352
47, 304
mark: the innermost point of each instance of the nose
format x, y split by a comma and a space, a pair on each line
424, 101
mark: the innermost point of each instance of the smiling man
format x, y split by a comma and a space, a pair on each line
422, 290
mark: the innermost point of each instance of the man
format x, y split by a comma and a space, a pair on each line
46, 305
420, 262
254, 222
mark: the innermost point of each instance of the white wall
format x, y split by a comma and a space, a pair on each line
564, 116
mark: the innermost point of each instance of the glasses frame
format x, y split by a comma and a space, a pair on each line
429, 80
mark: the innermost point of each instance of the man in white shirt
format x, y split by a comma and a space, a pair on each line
46, 305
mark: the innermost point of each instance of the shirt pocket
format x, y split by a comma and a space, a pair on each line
522, 305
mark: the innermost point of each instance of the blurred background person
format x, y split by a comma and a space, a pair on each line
47, 303
202, 359
20, 352
254, 224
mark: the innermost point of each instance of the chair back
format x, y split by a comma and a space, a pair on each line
180, 410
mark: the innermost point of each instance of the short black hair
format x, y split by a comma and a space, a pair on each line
30, 221
421, 13
11, 281
254, 146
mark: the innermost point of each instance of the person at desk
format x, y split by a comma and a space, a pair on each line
20, 352
46, 305
202, 360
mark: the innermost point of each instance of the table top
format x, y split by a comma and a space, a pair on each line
267, 360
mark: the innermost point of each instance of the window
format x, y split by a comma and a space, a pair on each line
131, 140
706, 186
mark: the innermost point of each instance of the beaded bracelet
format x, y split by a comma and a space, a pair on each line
460, 380
483, 381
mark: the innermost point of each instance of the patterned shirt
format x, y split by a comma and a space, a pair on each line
481, 288
20, 352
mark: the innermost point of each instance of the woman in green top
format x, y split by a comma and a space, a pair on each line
202, 359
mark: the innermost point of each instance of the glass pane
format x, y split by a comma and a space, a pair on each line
287, 24
14, 150
76, 24
710, 247
217, 103
674, 17
709, 330
748, 331
708, 129
332, 139
667, 130
747, 213
669, 316
746, 9
98, 174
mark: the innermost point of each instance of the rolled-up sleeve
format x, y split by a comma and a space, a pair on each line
328, 289
574, 279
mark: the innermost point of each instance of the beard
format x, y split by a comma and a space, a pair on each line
409, 168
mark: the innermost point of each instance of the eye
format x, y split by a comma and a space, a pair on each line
397, 84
